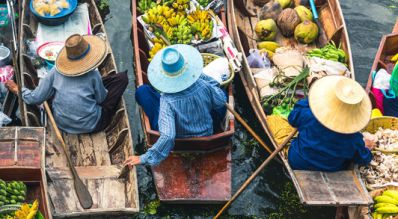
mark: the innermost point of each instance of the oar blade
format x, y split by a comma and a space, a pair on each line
83, 194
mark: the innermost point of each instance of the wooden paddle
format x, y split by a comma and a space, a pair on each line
255, 174
82, 192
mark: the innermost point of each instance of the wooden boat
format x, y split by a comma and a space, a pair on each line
97, 157
22, 159
202, 176
387, 48
314, 188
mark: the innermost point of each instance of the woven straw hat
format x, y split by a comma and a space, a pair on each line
80, 55
340, 104
175, 68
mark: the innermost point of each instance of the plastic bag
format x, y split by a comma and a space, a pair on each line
4, 119
257, 60
382, 80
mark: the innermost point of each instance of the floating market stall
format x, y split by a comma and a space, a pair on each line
98, 157
381, 175
22, 173
285, 45
198, 169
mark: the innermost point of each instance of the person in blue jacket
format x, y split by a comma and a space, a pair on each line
329, 124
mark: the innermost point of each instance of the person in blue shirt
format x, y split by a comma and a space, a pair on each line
82, 101
329, 124
189, 104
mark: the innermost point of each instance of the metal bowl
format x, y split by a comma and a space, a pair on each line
5, 56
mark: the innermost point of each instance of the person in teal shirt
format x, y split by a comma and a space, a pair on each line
329, 124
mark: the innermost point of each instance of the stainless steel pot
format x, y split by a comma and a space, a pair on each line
5, 56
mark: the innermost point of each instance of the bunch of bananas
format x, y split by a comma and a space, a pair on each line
180, 5
386, 205
158, 45
182, 33
144, 5
203, 3
12, 192
329, 52
201, 24
26, 212
158, 15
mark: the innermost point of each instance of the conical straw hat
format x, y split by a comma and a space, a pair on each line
80, 55
340, 104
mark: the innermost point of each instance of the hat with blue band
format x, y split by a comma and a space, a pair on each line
175, 68
80, 55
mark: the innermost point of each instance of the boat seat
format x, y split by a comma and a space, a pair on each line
342, 188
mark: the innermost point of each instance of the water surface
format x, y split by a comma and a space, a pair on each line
367, 21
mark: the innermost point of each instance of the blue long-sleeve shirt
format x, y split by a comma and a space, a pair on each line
185, 114
76, 105
319, 148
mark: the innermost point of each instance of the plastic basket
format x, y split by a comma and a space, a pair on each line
207, 58
385, 122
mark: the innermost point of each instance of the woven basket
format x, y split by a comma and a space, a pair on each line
385, 122
207, 58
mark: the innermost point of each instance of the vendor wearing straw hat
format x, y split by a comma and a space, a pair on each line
329, 124
189, 104
82, 101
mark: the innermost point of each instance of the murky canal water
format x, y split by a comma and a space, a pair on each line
367, 21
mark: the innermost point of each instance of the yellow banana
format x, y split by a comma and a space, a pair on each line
394, 58
386, 199
269, 45
391, 193
379, 205
384, 210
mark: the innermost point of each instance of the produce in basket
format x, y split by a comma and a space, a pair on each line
382, 169
385, 139
329, 52
386, 205
288, 21
144, 5
12, 193
304, 13
201, 24
271, 10
306, 32
266, 29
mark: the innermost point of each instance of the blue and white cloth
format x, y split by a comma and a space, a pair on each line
76, 104
189, 113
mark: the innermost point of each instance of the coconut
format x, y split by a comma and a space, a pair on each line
287, 21
270, 10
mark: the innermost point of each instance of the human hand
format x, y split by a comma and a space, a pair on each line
12, 86
132, 161
369, 143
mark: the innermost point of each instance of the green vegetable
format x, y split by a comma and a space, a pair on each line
329, 52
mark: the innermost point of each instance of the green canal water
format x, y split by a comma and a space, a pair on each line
270, 193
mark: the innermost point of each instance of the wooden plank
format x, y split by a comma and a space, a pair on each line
331, 188
101, 149
85, 172
63, 196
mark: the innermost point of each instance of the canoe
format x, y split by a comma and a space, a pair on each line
22, 151
98, 157
241, 20
388, 47
198, 169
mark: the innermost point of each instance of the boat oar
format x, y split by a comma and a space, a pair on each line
322, 39
255, 174
248, 128
82, 192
